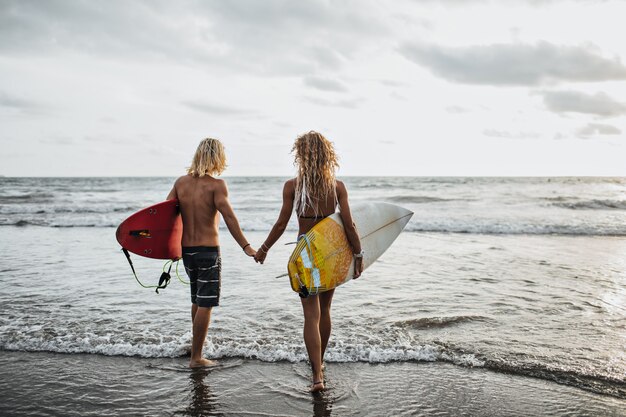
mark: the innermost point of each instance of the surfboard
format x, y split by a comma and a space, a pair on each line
323, 260
153, 232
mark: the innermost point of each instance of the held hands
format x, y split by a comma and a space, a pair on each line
261, 254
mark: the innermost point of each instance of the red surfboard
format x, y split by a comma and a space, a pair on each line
154, 232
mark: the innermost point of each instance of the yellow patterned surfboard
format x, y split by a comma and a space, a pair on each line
323, 259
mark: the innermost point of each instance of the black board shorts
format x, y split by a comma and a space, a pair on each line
203, 265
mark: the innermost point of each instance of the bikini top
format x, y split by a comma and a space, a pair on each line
315, 217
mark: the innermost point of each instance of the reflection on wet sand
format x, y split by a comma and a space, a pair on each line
322, 404
202, 402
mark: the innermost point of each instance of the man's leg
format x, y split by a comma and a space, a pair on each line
194, 309
201, 320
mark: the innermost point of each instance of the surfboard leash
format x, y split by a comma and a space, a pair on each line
177, 275
164, 279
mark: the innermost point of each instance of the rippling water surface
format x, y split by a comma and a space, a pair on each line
521, 276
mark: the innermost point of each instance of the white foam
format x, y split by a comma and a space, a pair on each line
287, 350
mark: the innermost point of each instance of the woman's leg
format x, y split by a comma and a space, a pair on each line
312, 340
326, 298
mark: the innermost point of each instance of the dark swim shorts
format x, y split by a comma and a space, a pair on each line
204, 266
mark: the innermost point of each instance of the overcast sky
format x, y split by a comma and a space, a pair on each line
421, 87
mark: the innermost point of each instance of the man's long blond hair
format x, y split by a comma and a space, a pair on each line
210, 159
317, 162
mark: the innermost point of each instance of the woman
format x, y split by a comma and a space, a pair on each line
315, 193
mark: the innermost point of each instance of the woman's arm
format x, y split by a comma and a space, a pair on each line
281, 224
349, 227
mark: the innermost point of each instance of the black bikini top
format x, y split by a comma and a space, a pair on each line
315, 217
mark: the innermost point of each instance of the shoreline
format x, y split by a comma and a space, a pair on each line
44, 383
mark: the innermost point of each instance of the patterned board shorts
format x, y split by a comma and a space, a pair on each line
203, 265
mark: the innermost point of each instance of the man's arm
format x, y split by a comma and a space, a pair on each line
220, 199
172, 195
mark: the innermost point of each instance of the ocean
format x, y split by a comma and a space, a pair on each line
503, 296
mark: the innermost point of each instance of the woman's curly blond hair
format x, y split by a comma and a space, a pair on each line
209, 159
317, 162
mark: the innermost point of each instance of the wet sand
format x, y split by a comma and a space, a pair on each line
84, 385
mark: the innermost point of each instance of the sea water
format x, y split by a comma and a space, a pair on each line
522, 276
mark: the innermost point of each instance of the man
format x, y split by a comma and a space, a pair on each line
202, 198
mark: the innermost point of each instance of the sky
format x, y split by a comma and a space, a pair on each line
401, 87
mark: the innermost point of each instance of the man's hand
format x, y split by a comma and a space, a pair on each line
260, 256
358, 267
249, 251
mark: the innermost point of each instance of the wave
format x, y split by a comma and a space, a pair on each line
43, 223
598, 384
293, 351
438, 322
613, 230
26, 198
290, 350
416, 199
23, 223
593, 205
617, 230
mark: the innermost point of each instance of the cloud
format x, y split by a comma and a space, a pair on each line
352, 103
59, 141
268, 38
206, 107
594, 129
457, 109
12, 102
599, 104
510, 135
30, 25
289, 37
500, 2
515, 64
325, 84
392, 83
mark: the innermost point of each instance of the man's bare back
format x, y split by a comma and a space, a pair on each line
202, 199
200, 216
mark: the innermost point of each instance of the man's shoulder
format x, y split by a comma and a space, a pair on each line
182, 179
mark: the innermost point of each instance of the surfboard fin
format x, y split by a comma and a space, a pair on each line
163, 281
304, 293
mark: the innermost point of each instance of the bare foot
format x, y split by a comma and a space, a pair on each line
201, 363
317, 386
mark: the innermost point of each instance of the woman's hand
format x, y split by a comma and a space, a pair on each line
260, 256
358, 267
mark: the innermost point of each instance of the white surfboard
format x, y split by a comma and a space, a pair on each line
323, 259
